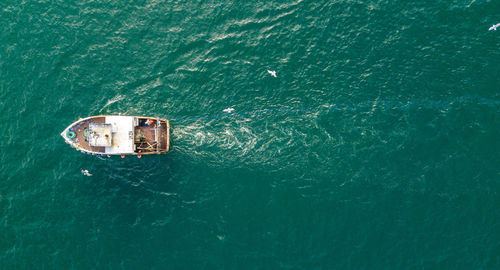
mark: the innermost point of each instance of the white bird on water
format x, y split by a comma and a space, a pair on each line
86, 172
228, 110
494, 27
272, 72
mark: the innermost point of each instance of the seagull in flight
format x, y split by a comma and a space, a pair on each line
86, 172
494, 27
272, 72
228, 110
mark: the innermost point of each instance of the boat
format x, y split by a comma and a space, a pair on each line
119, 135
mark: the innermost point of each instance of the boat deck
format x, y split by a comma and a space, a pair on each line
82, 127
145, 138
149, 138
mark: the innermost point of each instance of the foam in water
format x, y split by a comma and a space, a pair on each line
243, 135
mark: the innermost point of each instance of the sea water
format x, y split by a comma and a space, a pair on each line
376, 146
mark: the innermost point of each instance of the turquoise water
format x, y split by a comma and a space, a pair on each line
376, 147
